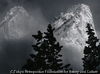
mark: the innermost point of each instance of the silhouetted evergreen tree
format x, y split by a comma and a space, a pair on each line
98, 58
92, 51
46, 56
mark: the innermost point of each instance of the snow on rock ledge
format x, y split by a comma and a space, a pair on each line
71, 25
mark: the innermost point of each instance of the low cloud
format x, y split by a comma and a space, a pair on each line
15, 52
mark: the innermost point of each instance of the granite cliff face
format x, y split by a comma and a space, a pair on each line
17, 27
71, 25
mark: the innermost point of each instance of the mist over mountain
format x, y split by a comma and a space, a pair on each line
71, 25
70, 30
16, 31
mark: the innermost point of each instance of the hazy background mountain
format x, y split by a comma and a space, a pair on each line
13, 53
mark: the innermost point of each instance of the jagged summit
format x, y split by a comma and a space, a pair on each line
77, 7
73, 11
71, 25
14, 23
13, 12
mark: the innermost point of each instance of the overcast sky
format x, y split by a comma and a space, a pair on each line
45, 11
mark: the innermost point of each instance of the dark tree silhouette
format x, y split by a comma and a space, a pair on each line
92, 52
46, 56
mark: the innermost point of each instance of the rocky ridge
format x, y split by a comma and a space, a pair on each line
71, 25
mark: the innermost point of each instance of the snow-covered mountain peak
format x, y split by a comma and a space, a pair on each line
71, 25
13, 13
